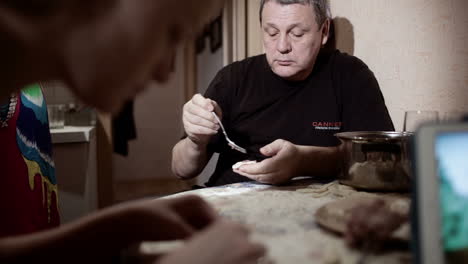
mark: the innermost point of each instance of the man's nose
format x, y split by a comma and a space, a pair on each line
283, 45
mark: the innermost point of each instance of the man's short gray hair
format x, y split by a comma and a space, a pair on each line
321, 8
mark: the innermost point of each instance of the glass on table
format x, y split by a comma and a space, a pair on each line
452, 116
56, 114
413, 119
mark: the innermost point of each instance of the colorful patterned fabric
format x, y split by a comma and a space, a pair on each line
28, 187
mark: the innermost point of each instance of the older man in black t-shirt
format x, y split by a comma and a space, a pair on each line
284, 106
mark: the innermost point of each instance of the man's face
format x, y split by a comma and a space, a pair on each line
291, 39
112, 57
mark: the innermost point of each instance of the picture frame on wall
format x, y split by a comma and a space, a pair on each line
200, 43
216, 34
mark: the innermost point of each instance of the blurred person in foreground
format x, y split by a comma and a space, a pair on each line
106, 52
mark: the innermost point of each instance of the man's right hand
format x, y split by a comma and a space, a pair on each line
199, 123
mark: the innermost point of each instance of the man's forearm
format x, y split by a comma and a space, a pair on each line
189, 158
319, 161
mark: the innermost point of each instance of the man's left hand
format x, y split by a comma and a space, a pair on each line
283, 163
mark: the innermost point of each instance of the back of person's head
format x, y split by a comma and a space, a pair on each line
321, 8
33, 8
83, 38
74, 9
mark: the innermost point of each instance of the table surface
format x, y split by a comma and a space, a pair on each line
282, 218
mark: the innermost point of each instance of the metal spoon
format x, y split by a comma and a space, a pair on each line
230, 142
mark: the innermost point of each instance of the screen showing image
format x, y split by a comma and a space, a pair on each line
452, 158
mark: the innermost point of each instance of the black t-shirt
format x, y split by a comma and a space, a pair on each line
341, 94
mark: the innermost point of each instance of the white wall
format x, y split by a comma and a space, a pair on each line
158, 113
418, 50
57, 93
158, 117
208, 64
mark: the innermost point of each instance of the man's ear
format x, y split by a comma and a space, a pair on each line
16, 25
325, 31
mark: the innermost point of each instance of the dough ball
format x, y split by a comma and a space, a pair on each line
242, 163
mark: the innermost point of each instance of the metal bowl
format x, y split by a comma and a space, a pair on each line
375, 160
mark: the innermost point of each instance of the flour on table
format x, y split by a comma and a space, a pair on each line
284, 220
321, 190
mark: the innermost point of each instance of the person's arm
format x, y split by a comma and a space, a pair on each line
189, 158
287, 160
102, 235
191, 154
89, 239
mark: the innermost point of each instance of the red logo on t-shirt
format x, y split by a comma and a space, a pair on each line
327, 125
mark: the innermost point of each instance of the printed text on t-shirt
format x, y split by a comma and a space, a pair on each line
327, 125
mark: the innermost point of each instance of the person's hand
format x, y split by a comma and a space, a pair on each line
223, 242
163, 219
102, 235
176, 217
371, 224
283, 163
199, 123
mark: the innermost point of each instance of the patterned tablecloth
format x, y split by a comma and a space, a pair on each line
282, 218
